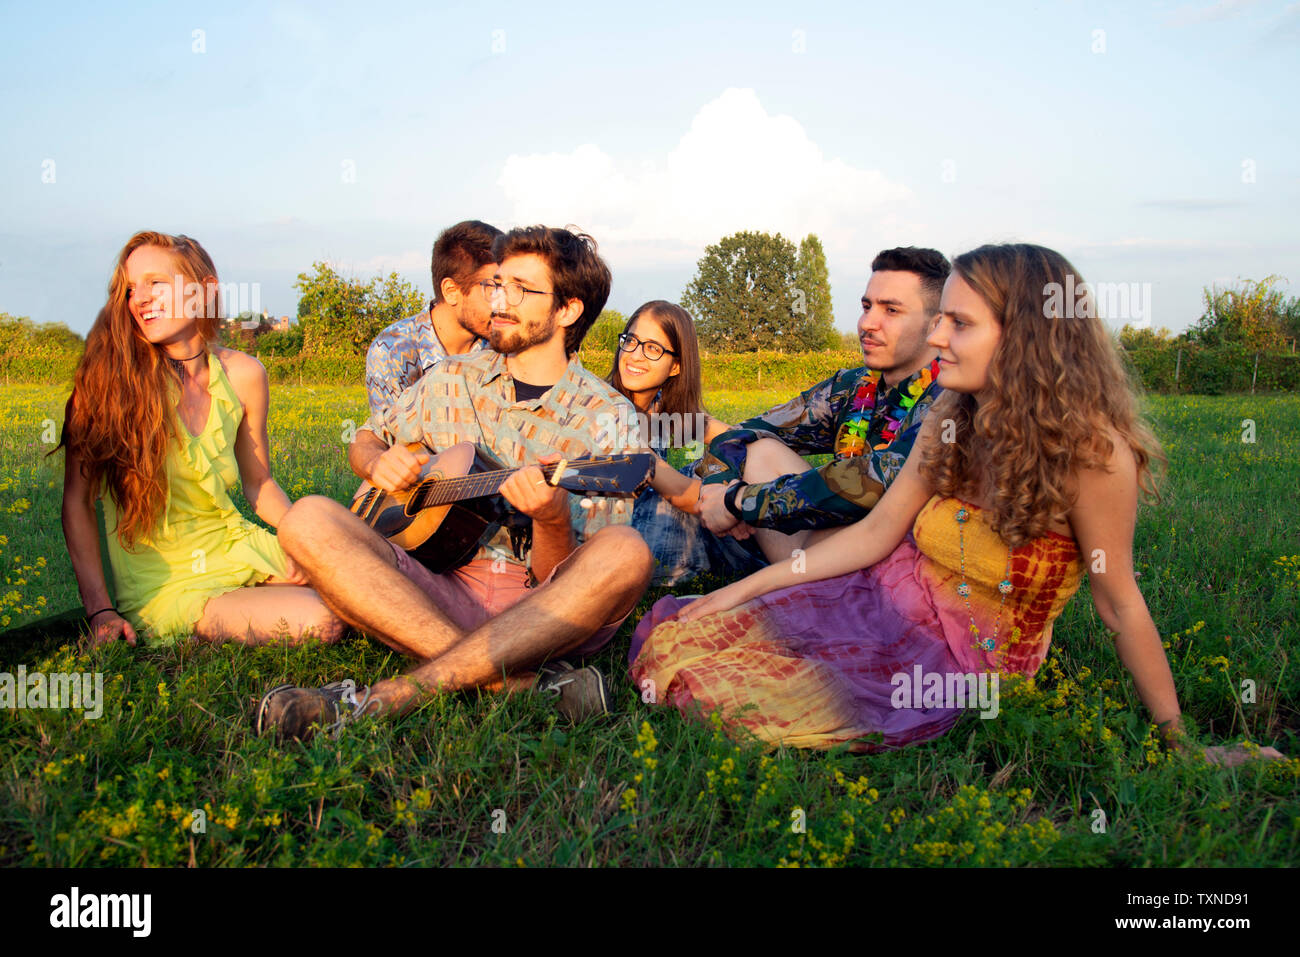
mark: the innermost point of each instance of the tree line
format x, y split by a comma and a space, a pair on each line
752, 292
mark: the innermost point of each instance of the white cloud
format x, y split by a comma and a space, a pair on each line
737, 167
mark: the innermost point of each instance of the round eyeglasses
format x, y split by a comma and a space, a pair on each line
649, 348
513, 291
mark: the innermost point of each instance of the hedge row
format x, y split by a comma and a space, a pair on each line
43, 366
1201, 370
1169, 368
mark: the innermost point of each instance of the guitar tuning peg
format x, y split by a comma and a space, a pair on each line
586, 503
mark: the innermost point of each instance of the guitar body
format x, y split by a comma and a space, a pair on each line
442, 518
441, 537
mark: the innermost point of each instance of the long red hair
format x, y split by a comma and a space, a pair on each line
121, 413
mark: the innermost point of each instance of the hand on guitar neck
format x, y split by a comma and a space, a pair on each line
529, 492
548, 506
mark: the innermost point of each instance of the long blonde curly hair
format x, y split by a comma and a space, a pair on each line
122, 411
1058, 388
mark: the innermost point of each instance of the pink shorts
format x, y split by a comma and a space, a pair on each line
474, 593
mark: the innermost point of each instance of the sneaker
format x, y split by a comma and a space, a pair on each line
292, 712
580, 693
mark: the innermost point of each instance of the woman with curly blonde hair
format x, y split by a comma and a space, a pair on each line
161, 423
1027, 471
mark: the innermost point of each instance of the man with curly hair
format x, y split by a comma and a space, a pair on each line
561, 590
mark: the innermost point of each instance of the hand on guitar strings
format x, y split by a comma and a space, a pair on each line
530, 493
397, 469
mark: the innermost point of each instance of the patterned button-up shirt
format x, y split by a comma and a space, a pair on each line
400, 355
471, 398
870, 436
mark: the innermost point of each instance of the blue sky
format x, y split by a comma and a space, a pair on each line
1151, 143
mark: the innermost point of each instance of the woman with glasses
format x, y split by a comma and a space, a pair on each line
657, 368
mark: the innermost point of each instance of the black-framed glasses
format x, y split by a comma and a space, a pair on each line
513, 291
649, 348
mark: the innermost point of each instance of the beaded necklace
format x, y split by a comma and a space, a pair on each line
855, 432
963, 588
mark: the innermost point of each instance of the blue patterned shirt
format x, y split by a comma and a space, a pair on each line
869, 435
401, 354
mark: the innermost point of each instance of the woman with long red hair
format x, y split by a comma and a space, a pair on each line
160, 425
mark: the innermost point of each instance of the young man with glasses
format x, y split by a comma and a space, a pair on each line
490, 623
455, 323
867, 418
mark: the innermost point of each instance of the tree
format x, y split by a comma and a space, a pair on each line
281, 342
813, 293
1256, 316
1144, 337
743, 294
20, 334
342, 314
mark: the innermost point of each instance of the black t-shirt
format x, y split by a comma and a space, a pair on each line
524, 391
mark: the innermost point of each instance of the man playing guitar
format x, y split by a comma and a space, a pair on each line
527, 401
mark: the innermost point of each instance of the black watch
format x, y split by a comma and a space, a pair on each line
729, 501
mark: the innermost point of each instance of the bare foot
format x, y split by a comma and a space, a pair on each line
1231, 757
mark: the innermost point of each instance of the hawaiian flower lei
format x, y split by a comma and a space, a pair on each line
853, 436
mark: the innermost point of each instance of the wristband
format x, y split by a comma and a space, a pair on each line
729, 501
90, 618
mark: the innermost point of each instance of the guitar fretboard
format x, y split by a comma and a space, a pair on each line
443, 491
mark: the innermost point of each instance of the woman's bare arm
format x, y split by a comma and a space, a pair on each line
252, 447
855, 546
1103, 519
682, 491
81, 532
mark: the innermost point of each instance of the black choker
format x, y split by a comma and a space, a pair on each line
179, 364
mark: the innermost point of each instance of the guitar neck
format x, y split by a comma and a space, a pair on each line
444, 491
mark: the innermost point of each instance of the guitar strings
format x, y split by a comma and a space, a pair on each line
440, 491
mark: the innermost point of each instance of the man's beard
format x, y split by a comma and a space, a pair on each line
480, 332
511, 339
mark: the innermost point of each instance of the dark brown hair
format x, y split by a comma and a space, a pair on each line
683, 392
930, 266
577, 271
459, 252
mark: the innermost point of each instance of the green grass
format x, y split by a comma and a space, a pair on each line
1219, 558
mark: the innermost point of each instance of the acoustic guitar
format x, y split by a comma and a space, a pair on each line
442, 518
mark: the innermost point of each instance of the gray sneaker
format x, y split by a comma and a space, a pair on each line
293, 712
580, 693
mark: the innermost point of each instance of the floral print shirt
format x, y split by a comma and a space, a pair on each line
869, 433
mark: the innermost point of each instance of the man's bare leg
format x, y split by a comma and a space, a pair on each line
607, 575
354, 571
765, 460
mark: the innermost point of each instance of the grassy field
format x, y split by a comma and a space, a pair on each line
501, 780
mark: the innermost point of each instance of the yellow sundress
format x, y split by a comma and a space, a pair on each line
202, 546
